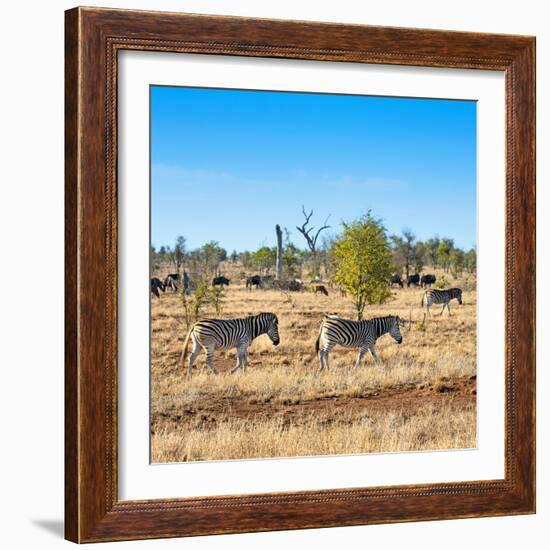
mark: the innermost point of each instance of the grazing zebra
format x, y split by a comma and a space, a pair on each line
212, 334
355, 334
434, 296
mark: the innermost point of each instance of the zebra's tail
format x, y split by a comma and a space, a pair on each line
319, 337
184, 350
422, 300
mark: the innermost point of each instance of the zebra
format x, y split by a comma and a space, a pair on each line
212, 334
355, 334
434, 296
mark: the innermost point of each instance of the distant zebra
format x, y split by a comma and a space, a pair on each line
434, 296
212, 334
355, 334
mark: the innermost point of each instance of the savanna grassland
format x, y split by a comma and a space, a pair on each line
422, 395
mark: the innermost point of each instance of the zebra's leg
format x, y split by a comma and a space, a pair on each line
327, 364
241, 359
428, 309
373, 353
362, 352
192, 358
210, 359
321, 359
449, 308
443, 308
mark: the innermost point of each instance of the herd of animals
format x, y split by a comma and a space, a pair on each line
222, 334
173, 280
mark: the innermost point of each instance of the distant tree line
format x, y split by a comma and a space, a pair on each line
412, 256
360, 260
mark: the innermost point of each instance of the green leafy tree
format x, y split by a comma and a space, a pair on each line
212, 255
246, 259
457, 262
403, 247
363, 262
291, 259
264, 258
178, 254
470, 261
444, 253
432, 248
419, 254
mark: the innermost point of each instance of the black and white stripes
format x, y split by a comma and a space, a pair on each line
435, 296
212, 334
355, 334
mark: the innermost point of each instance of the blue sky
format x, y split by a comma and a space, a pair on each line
227, 165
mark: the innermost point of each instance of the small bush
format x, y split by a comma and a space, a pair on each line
441, 283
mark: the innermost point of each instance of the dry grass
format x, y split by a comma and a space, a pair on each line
432, 428
421, 397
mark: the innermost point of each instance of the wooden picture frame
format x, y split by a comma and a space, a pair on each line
93, 39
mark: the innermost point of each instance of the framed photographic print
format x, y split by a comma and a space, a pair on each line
300, 275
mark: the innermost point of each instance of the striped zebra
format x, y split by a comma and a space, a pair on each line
435, 296
212, 334
355, 334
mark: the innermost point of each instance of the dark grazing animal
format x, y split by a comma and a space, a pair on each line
427, 280
319, 289
292, 285
413, 280
255, 280
171, 281
396, 280
212, 334
156, 285
220, 281
435, 296
355, 334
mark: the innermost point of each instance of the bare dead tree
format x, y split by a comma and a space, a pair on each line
279, 264
310, 234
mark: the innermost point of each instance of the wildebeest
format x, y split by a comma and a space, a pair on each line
255, 280
413, 280
156, 285
292, 285
267, 281
220, 281
319, 288
396, 280
171, 281
427, 280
